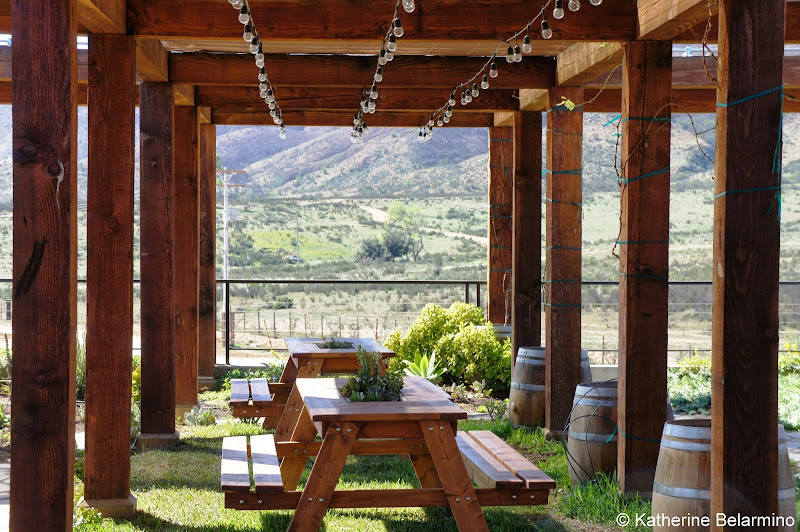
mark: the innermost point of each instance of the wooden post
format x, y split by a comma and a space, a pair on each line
564, 211
44, 80
644, 261
157, 265
207, 310
744, 406
526, 310
501, 187
187, 257
109, 274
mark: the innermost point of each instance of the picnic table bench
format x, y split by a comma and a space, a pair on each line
421, 426
260, 399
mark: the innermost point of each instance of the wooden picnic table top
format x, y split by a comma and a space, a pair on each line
420, 401
309, 347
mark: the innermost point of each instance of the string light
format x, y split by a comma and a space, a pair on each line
514, 54
388, 48
265, 90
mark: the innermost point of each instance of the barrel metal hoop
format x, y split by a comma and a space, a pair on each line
682, 493
686, 446
687, 432
529, 361
591, 436
612, 402
528, 387
584, 390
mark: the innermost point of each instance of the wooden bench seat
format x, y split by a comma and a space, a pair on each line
237, 455
492, 463
256, 399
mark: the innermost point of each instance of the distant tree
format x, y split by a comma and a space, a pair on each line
397, 243
372, 249
408, 219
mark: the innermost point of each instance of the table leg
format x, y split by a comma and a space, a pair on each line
325, 474
292, 466
425, 470
454, 477
289, 417
289, 373
309, 369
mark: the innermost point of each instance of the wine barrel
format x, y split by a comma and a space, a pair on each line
526, 398
683, 475
592, 435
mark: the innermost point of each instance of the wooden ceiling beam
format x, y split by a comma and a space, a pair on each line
152, 61
183, 95
357, 72
665, 19
345, 119
333, 98
583, 62
103, 16
353, 20
532, 99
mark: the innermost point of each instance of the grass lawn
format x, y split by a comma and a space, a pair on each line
178, 489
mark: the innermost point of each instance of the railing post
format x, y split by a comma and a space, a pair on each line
227, 322
478, 294
466, 292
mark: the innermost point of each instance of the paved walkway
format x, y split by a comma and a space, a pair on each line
792, 442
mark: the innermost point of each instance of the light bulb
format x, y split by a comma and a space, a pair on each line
244, 15
449, 110
493, 70
408, 6
270, 96
558, 12
391, 46
526, 45
262, 75
254, 45
371, 106
467, 97
373, 92
382, 57
440, 121
237, 4
510, 55
475, 91
546, 31
389, 55
485, 82
271, 105
282, 134
595, 2
430, 121
248, 33
574, 5
259, 60
517, 54
356, 120
273, 113
262, 86
452, 100
263, 93
419, 137
446, 119
276, 120
463, 99
378, 75
398, 28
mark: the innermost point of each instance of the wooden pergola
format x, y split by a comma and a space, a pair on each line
193, 72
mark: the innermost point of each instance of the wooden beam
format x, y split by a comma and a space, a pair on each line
744, 392
583, 62
354, 72
354, 20
345, 118
563, 272
526, 295
157, 264
152, 61
5, 65
242, 99
207, 307
184, 95
501, 207
665, 19
102, 16
187, 257
644, 261
109, 274
45, 124
505, 119
532, 99
203, 115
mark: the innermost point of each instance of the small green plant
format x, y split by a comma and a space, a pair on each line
369, 384
459, 392
333, 343
136, 421
80, 367
481, 389
424, 367
200, 417
789, 362
695, 365
83, 515
283, 302
136, 385
5, 362
496, 408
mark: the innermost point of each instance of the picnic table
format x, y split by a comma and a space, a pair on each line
422, 426
258, 398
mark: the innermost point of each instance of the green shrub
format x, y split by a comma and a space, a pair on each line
80, 368
136, 385
474, 354
695, 365
271, 371
789, 362
5, 363
200, 417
